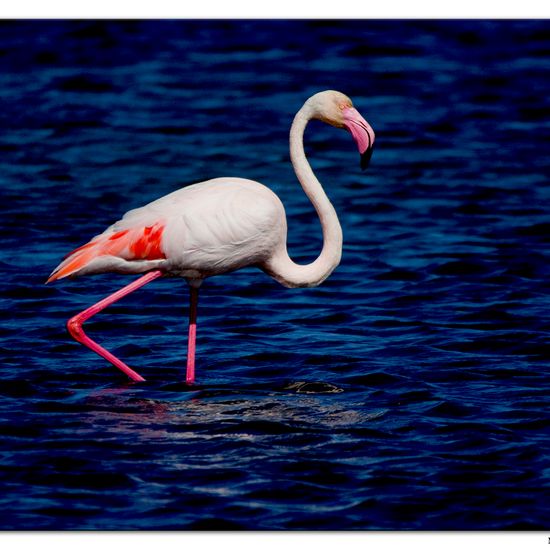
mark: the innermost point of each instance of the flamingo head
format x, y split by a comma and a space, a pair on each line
337, 109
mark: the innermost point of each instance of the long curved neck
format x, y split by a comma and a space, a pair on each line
282, 268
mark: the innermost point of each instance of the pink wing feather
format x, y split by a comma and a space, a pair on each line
142, 243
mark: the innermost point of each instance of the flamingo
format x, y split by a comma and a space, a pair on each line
217, 226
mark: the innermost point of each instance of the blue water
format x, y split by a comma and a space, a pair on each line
409, 391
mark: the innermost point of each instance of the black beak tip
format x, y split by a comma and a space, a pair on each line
365, 158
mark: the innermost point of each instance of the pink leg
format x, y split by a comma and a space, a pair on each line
77, 332
191, 342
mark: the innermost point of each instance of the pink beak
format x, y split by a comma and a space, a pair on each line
362, 133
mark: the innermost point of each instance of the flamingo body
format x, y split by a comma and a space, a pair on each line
215, 227
205, 229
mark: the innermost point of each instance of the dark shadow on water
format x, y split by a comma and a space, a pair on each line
199, 390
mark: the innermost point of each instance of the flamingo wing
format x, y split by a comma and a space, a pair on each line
136, 244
